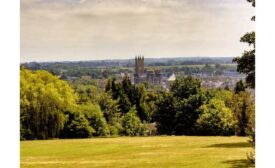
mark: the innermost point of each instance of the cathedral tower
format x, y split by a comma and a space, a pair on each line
139, 65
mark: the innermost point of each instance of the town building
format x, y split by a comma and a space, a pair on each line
141, 74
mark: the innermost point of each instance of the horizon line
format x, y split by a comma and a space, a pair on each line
117, 59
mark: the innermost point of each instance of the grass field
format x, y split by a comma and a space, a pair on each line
137, 152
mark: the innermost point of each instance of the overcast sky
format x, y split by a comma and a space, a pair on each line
68, 30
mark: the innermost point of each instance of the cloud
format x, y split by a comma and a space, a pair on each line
77, 29
82, 1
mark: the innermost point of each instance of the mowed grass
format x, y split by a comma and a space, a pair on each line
137, 152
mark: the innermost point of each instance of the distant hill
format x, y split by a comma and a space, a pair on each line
130, 62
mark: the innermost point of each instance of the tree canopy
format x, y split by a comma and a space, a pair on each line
43, 99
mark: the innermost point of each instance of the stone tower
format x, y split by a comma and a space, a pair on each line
139, 65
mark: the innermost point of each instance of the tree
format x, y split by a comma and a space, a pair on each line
131, 124
183, 87
124, 103
43, 100
177, 111
87, 93
187, 115
167, 108
190, 97
243, 108
150, 102
139, 100
239, 87
129, 95
111, 112
94, 115
215, 119
246, 63
76, 126
220, 94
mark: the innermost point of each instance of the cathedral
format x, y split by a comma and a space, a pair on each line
145, 75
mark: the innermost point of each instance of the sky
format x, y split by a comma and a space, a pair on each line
72, 30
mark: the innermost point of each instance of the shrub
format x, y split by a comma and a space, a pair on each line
151, 129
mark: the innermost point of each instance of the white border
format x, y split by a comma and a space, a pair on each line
9, 84
265, 96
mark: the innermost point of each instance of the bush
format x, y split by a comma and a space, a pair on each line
115, 129
131, 124
215, 119
151, 129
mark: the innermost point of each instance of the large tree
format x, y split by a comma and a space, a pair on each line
243, 108
178, 110
246, 63
43, 100
215, 119
129, 95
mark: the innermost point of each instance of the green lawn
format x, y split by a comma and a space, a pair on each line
139, 152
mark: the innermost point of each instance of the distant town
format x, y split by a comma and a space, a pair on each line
214, 72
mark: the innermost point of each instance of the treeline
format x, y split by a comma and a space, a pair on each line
53, 108
110, 68
71, 72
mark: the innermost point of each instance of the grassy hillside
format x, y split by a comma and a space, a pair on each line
145, 152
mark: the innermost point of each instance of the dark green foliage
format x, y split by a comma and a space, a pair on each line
177, 111
150, 102
165, 116
116, 89
76, 126
184, 87
250, 79
139, 99
49, 105
131, 124
129, 95
111, 113
215, 119
124, 103
249, 38
189, 95
239, 87
188, 114
109, 107
96, 119
246, 64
